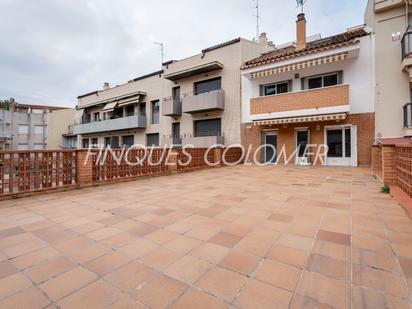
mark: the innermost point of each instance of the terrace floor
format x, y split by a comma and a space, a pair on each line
236, 237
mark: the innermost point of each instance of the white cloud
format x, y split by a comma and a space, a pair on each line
54, 50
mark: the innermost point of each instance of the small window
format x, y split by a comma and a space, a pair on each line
114, 142
96, 116
23, 129
330, 80
152, 140
155, 112
107, 141
38, 130
210, 127
323, 81
315, 83
95, 142
277, 88
128, 140
85, 143
208, 85
129, 110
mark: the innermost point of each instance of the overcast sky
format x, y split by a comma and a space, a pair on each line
51, 51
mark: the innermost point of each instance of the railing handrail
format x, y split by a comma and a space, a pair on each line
191, 94
104, 120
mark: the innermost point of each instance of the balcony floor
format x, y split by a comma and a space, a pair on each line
238, 237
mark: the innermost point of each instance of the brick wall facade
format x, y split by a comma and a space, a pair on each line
253, 135
314, 98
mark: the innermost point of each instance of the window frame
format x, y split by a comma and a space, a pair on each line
339, 75
195, 84
152, 134
195, 122
153, 113
263, 88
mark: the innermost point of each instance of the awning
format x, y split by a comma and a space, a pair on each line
201, 69
109, 107
129, 101
301, 65
329, 117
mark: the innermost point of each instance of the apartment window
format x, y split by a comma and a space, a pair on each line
114, 141
210, 127
142, 109
176, 93
277, 88
152, 140
96, 116
118, 113
38, 146
107, 141
128, 140
208, 85
155, 112
326, 80
129, 110
22, 147
86, 118
85, 143
23, 129
38, 130
95, 142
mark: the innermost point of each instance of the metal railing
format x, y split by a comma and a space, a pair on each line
406, 43
407, 115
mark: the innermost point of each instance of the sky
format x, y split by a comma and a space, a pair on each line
52, 51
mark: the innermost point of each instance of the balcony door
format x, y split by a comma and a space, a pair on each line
270, 140
342, 144
302, 140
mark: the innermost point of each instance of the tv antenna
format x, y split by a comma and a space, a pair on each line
301, 3
162, 51
257, 20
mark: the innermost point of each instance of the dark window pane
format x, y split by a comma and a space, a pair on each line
209, 127
95, 142
155, 112
315, 82
153, 140
282, 88
129, 110
142, 109
270, 155
176, 129
107, 141
176, 93
302, 141
330, 80
85, 143
114, 142
335, 143
118, 113
128, 140
208, 85
270, 89
348, 149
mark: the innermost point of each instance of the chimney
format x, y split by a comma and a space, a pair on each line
263, 39
106, 86
301, 32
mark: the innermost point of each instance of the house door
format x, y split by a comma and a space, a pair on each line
302, 140
342, 146
271, 143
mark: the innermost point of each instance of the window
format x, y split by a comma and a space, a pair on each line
210, 127
326, 80
22, 147
129, 110
23, 129
155, 112
118, 113
208, 85
85, 143
95, 142
128, 140
142, 109
38, 147
107, 141
114, 141
38, 130
86, 118
176, 130
277, 88
96, 116
176, 94
152, 140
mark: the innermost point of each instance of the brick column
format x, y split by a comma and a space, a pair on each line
84, 168
172, 162
388, 165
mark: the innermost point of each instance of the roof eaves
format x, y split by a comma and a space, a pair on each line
224, 44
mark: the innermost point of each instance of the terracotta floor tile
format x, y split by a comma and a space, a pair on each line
130, 276
325, 291
278, 274
288, 255
96, 295
188, 269
138, 248
127, 303
225, 240
7, 269
49, 269
199, 300
161, 236
254, 246
12, 284
281, 217
294, 241
182, 244
210, 252
240, 262
222, 282
160, 292
28, 298
339, 238
89, 253
332, 250
372, 259
263, 296
160, 258
203, 233
367, 298
68, 282
329, 267
107, 263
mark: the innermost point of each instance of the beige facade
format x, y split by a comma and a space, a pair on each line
389, 21
138, 96
60, 129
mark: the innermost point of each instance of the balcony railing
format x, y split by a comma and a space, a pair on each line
170, 140
204, 102
203, 141
301, 100
406, 43
407, 116
172, 107
132, 122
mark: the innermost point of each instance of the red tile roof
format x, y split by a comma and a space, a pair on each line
332, 42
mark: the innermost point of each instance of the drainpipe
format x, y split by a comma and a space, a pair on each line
407, 13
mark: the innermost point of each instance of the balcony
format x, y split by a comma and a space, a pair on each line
317, 101
406, 45
172, 141
132, 122
203, 141
172, 107
204, 102
407, 119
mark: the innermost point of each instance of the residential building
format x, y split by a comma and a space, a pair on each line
191, 101
24, 126
60, 129
391, 24
313, 91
